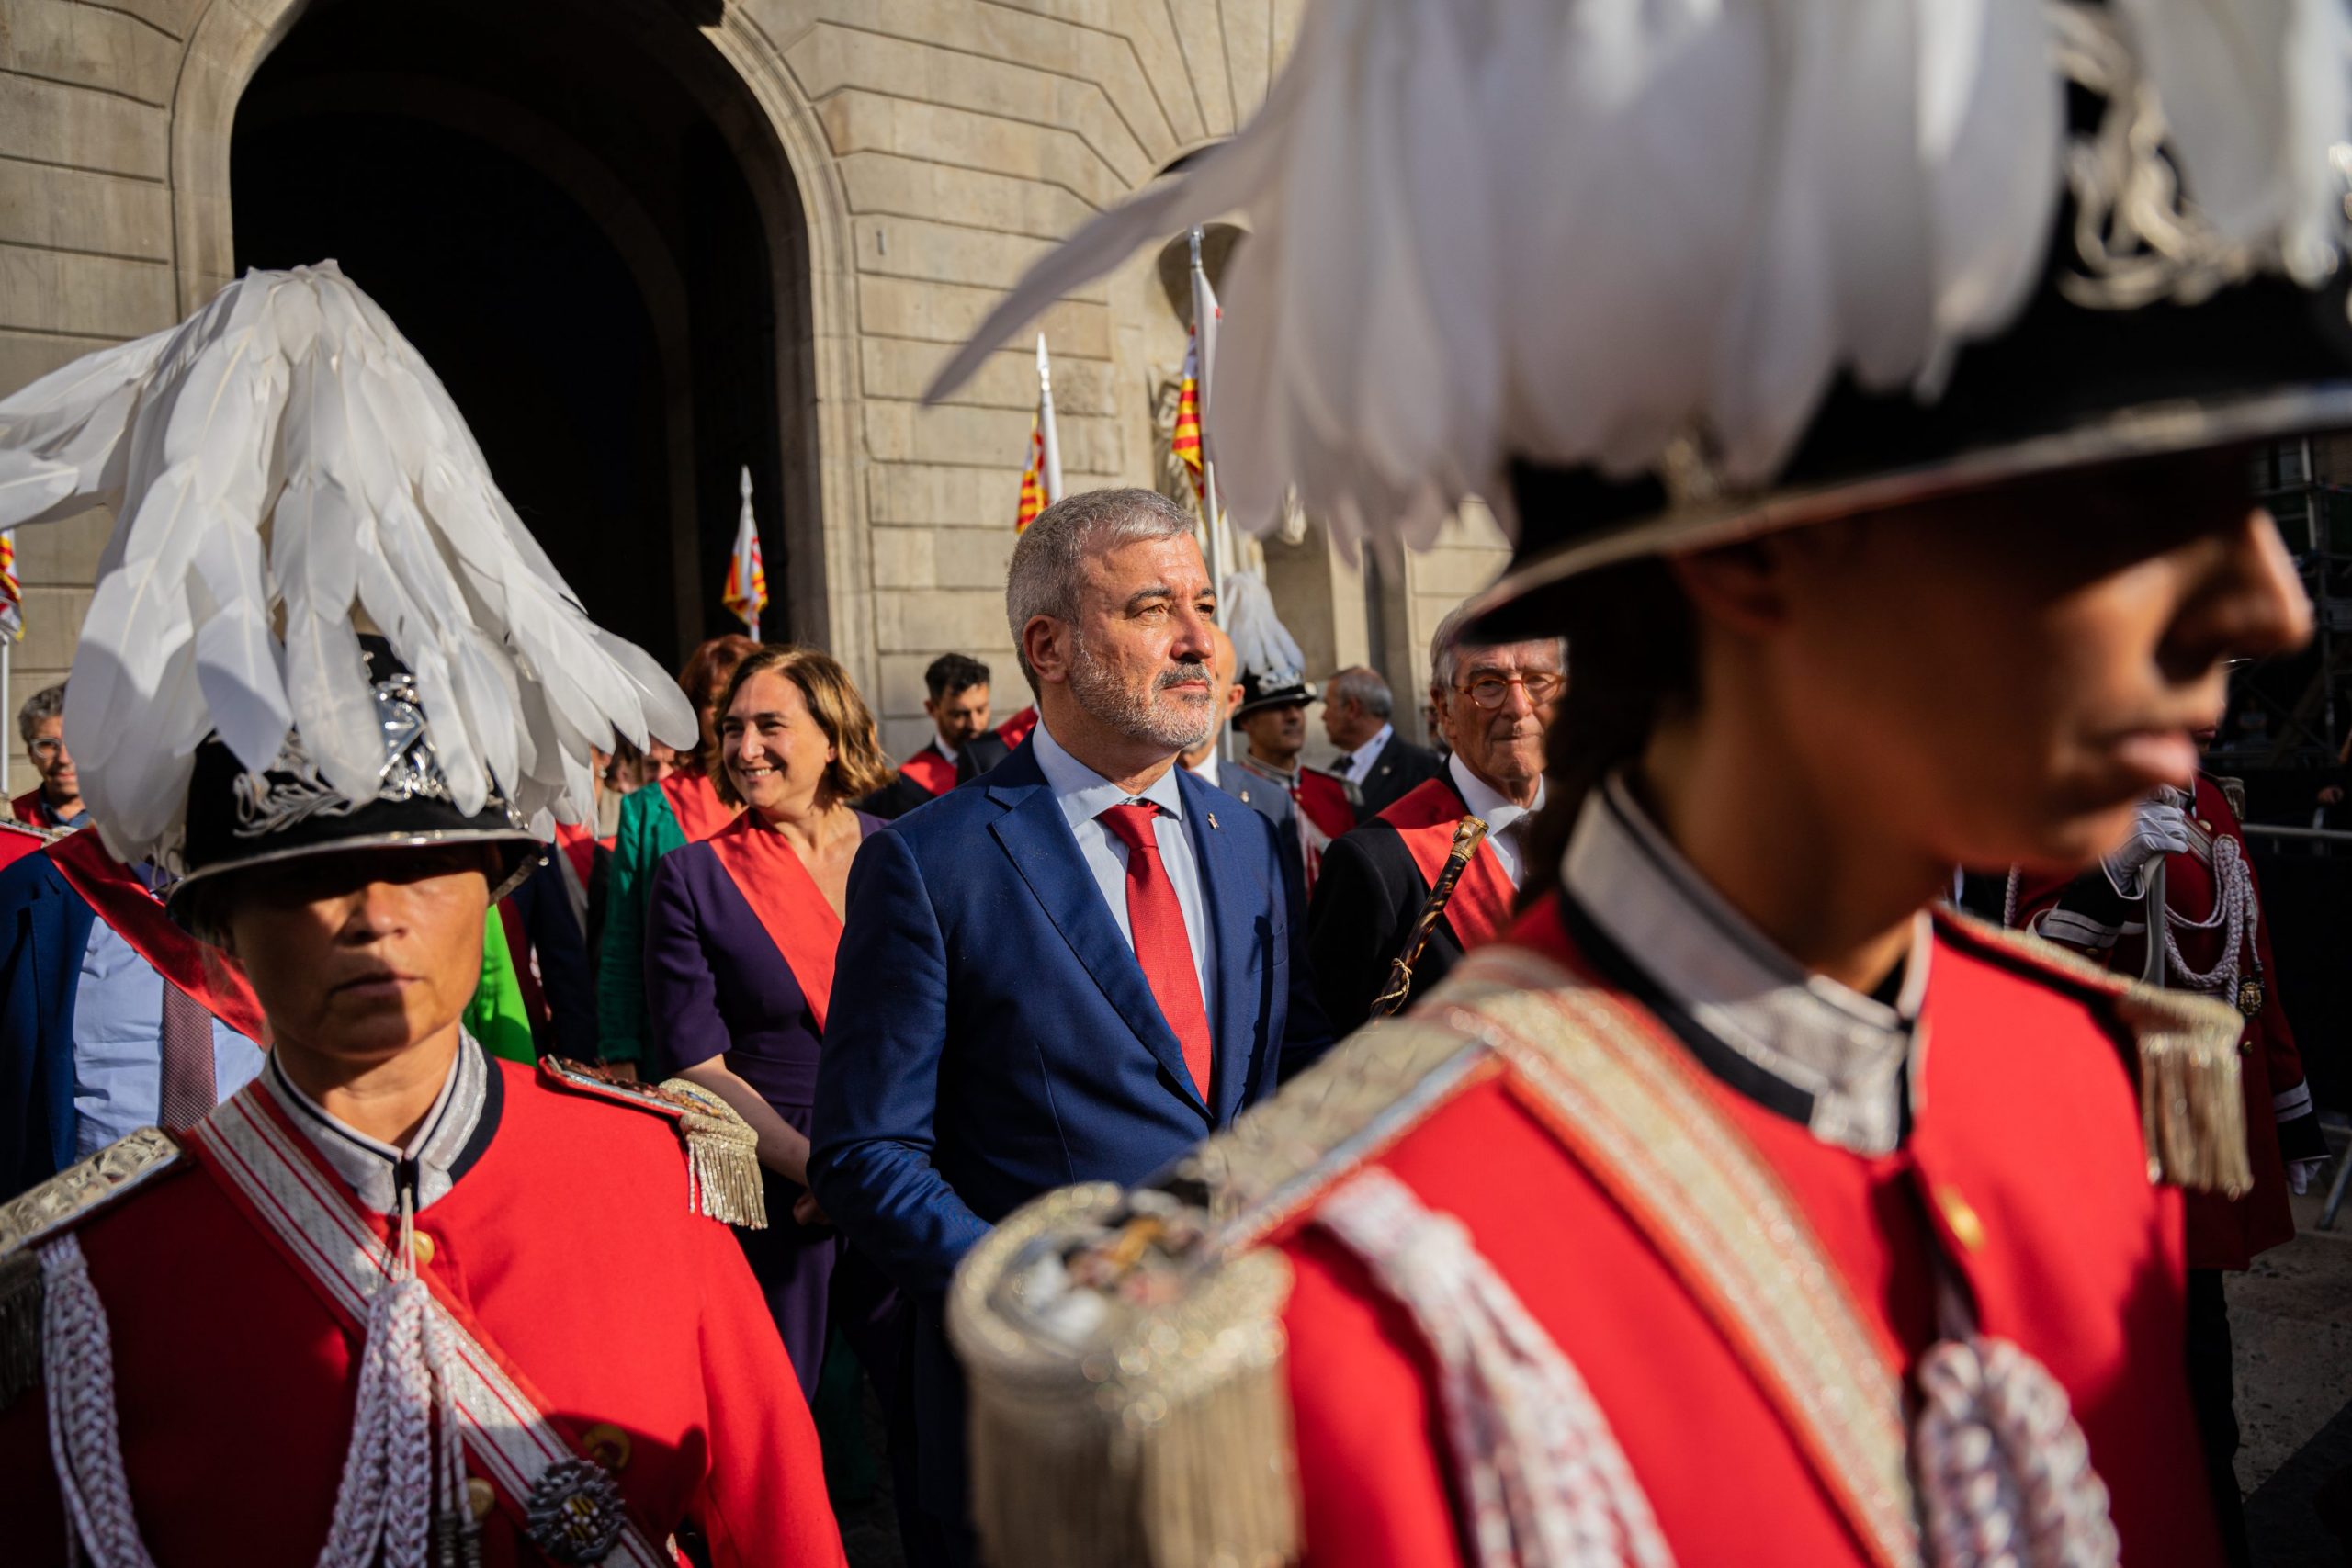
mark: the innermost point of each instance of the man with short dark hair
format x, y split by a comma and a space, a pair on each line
56, 801
961, 750
1073, 970
1494, 703
1381, 763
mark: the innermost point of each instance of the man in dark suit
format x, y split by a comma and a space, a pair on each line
1072, 971
1381, 763
1494, 704
963, 748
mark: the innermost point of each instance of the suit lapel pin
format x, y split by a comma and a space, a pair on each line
1212, 818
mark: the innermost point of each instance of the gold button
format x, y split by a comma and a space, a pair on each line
422, 1244
1959, 1218
479, 1498
2201, 823
607, 1445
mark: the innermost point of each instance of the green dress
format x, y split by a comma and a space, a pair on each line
648, 829
497, 1017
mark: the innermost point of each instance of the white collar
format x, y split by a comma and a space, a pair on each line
946, 748
1084, 794
371, 1166
1365, 754
1797, 1043
1206, 772
1484, 801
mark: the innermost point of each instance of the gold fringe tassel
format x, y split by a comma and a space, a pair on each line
21, 1297
1164, 1441
722, 1154
2192, 1109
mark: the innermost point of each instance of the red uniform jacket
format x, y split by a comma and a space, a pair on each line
2041, 1198
2222, 1234
572, 1245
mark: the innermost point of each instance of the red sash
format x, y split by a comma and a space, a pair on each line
932, 770
695, 801
1015, 730
1425, 819
578, 841
123, 902
1324, 798
26, 808
780, 891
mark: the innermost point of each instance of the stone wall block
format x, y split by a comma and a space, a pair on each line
26, 357
949, 314
54, 123
980, 438
90, 46
939, 620
64, 554
75, 209
56, 291
858, 121
885, 184
903, 558
895, 367
949, 253
973, 557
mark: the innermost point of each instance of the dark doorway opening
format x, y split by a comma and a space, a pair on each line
552, 198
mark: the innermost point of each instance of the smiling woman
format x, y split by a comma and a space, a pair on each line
739, 937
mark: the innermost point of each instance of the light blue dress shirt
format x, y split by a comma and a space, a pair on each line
1084, 795
119, 1045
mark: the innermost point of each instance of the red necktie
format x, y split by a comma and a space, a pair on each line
1156, 922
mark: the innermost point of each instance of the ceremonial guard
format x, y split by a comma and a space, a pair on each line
1839, 378
2215, 942
348, 1317
1273, 713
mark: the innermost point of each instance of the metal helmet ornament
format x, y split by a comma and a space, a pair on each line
1654, 277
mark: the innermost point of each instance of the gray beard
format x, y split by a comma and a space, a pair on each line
1137, 717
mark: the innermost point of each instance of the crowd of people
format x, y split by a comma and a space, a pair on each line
466, 1097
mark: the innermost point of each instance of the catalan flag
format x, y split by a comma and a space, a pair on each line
747, 580
1186, 442
1033, 478
11, 597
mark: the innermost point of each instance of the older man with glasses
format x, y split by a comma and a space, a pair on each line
56, 801
1493, 704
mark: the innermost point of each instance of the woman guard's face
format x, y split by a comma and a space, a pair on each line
774, 750
362, 954
1999, 678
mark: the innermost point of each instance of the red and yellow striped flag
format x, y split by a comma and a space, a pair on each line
11, 597
1032, 479
1186, 442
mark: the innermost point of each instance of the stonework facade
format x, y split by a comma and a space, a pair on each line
912, 158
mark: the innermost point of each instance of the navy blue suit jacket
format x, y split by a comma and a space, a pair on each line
991, 1037
44, 930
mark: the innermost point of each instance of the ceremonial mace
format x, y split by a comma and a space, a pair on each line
1468, 834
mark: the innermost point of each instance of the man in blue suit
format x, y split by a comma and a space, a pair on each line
1034, 992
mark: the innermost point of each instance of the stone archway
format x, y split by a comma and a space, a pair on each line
653, 148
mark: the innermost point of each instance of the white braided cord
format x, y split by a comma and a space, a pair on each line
1543, 1482
84, 1439
2234, 911
2005, 1473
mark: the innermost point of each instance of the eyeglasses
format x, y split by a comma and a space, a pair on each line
1542, 687
47, 747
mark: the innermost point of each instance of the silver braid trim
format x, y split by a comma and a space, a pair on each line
84, 1440
2003, 1471
2234, 911
1543, 1483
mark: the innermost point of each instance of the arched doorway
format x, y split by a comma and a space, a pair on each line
568, 208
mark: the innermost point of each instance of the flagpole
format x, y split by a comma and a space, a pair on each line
7, 705
1052, 439
742, 566
1220, 556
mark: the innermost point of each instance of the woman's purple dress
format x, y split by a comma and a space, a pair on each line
714, 982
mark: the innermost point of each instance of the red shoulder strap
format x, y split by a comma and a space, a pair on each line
695, 800
123, 902
931, 769
786, 898
1425, 818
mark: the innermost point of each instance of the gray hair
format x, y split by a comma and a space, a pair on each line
1363, 687
1447, 643
47, 703
1049, 563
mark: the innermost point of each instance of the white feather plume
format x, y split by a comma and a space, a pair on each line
1262, 646
284, 466
1573, 230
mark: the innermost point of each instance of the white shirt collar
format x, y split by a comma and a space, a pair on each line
1838, 1058
371, 1166
947, 747
1084, 794
1208, 772
1483, 799
1361, 758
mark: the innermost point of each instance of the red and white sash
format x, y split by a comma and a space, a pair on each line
279, 1183
931, 771
1424, 819
790, 907
122, 901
